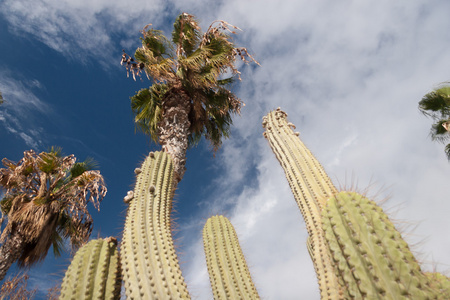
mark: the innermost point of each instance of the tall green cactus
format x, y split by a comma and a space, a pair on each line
228, 271
150, 265
355, 239
94, 272
311, 187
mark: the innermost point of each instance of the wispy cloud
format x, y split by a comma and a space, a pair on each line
82, 30
19, 111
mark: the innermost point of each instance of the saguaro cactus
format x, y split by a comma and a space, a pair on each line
228, 271
349, 235
149, 262
311, 187
94, 272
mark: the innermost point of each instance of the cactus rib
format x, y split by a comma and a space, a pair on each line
150, 264
228, 271
311, 187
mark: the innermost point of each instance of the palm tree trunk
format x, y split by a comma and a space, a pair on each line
174, 129
10, 251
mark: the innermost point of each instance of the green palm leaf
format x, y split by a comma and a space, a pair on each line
186, 34
438, 131
447, 151
437, 103
146, 105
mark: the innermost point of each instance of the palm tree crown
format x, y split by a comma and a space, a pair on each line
191, 74
45, 201
436, 105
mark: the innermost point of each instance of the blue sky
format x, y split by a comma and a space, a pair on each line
349, 75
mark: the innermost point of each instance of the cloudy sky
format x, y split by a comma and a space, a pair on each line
349, 74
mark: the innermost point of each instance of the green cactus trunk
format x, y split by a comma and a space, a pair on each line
370, 254
94, 272
311, 187
228, 271
149, 262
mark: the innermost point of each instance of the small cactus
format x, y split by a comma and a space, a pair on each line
228, 271
94, 272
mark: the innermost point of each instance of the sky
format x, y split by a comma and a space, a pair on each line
349, 74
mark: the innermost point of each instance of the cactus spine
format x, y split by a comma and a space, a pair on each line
311, 187
149, 262
228, 271
94, 272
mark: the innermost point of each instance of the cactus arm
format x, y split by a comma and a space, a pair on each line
370, 254
94, 272
228, 271
311, 187
150, 264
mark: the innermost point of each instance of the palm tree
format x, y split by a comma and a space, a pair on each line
45, 202
189, 96
436, 105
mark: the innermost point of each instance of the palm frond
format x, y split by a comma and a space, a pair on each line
439, 132
218, 107
146, 106
57, 245
186, 34
196, 60
436, 104
159, 69
81, 167
155, 41
447, 151
48, 162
